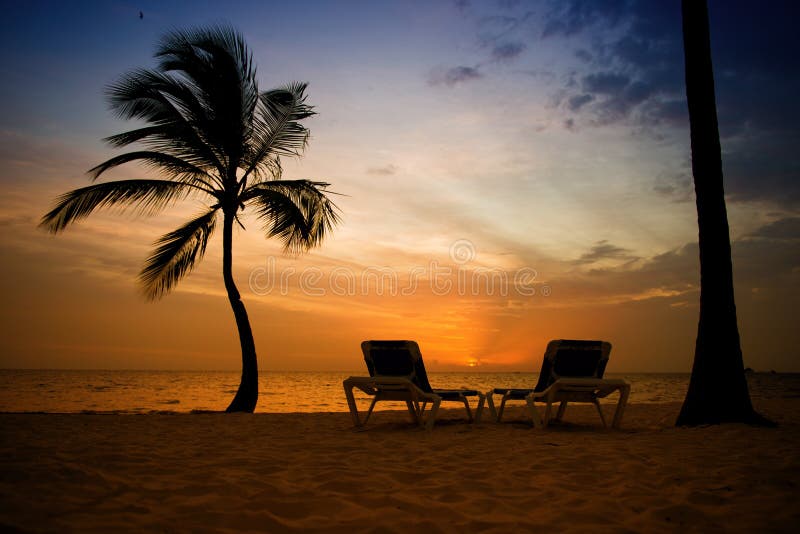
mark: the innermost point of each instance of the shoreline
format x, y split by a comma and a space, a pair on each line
146, 392
301, 472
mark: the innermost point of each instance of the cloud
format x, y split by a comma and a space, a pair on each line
567, 18
386, 170
762, 166
546, 77
504, 35
752, 50
786, 228
631, 74
754, 54
454, 75
622, 66
605, 83
772, 261
507, 51
578, 101
767, 260
677, 185
584, 55
665, 112
603, 250
17, 220
26, 155
615, 96
493, 27
672, 275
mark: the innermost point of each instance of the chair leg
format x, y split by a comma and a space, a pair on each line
479, 409
621, 403
431, 419
600, 411
412, 411
502, 407
537, 422
371, 406
490, 405
561, 409
551, 397
547, 411
469, 411
351, 403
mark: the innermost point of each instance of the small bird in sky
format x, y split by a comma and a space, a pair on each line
141, 15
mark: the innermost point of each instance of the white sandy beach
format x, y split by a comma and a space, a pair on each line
313, 472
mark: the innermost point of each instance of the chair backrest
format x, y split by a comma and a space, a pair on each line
398, 359
574, 358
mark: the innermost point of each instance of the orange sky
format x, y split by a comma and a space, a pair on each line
71, 301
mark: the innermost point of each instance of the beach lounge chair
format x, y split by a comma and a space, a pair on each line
396, 372
572, 371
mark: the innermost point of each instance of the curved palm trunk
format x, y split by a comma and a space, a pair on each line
247, 395
718, 389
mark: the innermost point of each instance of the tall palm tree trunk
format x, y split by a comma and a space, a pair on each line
718, 388
247, 394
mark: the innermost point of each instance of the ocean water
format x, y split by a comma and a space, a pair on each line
185, 391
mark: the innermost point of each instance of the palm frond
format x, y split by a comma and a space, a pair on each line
132, 136
149, 197
174, 167
216, 65
277, 130
200, 52
178, 119
176, 254
297, 212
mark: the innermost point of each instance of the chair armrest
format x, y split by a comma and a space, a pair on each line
603, 386
371, 385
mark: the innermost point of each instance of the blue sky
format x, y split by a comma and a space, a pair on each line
550, 135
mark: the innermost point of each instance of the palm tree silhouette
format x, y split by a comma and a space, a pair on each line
213, 136
718, 390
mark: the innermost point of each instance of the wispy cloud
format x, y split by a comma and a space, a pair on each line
386, 170
603, 250
17, 220
605, 83
786, 228
576, 102
454, 75
567, 18
508, 51
461, 5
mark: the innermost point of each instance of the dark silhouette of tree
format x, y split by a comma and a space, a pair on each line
213, 136
718, 388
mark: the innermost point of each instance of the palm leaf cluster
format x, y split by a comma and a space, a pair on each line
212, 135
